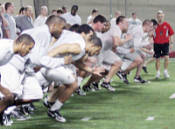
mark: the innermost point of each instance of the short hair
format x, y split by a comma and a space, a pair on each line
22, 9
96, 41
7, 5
74, 28
54, 10
54, 19
120, 19
25, 38
154, 22
60, 11
85, 28
133, 13
146, 22
94, 11
99, 18
74, 7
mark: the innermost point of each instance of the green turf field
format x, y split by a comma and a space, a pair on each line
127, 108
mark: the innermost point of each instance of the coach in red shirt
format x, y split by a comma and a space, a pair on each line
162, 41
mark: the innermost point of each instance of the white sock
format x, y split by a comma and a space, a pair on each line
9, 110
57, 106
166, 71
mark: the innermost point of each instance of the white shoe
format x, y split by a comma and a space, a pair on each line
166, 75
158, 75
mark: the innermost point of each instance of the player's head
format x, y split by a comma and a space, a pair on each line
99, 23
148, 25
122, 22
56, 25
86, 31
94, 46
160, 16
74, 10
23, 44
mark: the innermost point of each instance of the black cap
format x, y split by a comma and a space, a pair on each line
75, 7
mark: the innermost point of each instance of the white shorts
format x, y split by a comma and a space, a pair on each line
63, 74
11, 79
25, 87
31, 89
125, 64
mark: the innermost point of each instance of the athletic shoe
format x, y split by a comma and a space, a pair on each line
95, 85
46, 103
119, 74
18, 115
1, 117
107, 86
166, 75
158, 75
123, 77
139, 80
6, 120
80, 92
57, 116
86, 88
145, 69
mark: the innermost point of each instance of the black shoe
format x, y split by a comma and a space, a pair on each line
57, 116
125, 79
47, 104
107, 86
26, 109
6, 119
80, 92
145, 69
95, 85
86, 88
139, 80
1, 117
18, 115
119, 74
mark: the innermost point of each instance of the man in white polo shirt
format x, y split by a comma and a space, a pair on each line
72, 17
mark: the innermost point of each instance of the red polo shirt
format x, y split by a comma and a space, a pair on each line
163, 33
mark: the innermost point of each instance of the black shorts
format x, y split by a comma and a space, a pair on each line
161, 50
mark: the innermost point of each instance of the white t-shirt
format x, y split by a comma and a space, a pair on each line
6, 50
134, 23
42, 38
90, 19
40, 20
70, 19
68, 37
113, 22
107, 38
139, 37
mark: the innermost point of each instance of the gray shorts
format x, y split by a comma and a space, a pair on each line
109, 57
131, 56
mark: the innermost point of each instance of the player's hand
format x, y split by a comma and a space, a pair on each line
132, 50
68, 59
128, 37
37, 68
98, 71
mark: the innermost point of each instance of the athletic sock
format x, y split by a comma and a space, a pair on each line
56, 106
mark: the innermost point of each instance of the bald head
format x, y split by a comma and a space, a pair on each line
44, 10
56, 25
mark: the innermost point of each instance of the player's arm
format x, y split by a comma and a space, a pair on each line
65, 49
119, 42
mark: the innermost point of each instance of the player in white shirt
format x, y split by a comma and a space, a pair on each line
66, 74
72, 17
134, 21
22, 45
139, 51
31, 89
41, 19
92, 16
113, 20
